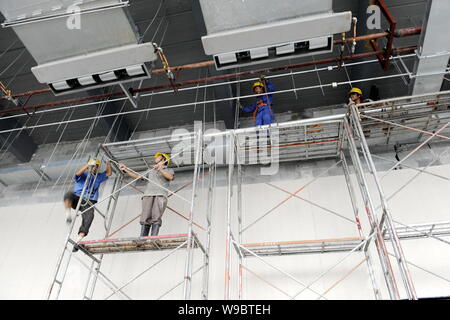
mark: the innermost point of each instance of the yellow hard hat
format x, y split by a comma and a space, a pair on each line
97, 161
258, 84
355, 90
165, 155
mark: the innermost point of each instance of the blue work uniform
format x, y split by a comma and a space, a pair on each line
92, 187
262, 109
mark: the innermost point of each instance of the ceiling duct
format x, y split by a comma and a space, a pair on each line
433, 55
79, 45
242, 33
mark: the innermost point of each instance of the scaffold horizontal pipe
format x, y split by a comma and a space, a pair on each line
399, 51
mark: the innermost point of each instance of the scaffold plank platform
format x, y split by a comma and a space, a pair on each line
128, 245
341, 244
422, 230
301, 247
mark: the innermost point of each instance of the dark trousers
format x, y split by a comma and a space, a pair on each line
87, 217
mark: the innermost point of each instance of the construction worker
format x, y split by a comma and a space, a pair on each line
262, 109
154, 200
355, 97
90, 196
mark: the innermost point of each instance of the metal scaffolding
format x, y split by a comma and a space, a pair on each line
97, 249
347, 138
411, 120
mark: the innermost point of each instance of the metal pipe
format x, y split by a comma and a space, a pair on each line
108, 220
405, 127
228, 220
178, 284
277, 269
404, 271
207, 86
334, 266
399, 51
103, 278
392, 27
189, 246
370, 211
344, 277
152, 266
416, 149
351, 191
210, 202
182, 105
239, 212
61, 256
291, 195
398, 34
267, 282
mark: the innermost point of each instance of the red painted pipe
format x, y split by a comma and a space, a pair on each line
398, 34
399, 51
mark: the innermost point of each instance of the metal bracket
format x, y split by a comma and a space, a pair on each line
129, 96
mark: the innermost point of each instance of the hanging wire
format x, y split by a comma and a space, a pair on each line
7, 49
51, 156
12, 63
80, 146
18, 71
19, 132
141, 39
220, 84
196, 92
204, 105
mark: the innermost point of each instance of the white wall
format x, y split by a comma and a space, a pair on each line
31, 237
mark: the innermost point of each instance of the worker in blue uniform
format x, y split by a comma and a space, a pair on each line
262, 108
90, 196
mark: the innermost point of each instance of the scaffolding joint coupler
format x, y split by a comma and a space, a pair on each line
165, 63
8, 94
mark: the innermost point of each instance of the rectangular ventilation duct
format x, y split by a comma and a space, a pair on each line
242, 33
79, 45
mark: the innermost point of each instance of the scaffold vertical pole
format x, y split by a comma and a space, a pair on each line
351, 191
388, 273
386, 216
228, 242
209, 212
189, 246
109, 215
66, 242
239, 212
